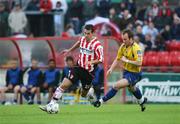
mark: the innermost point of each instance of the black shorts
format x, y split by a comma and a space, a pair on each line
78, 73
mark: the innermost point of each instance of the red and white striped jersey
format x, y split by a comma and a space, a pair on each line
91, 50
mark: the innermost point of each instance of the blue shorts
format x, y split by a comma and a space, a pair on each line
132, 77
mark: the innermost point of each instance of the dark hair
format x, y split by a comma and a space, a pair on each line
51, 60
89, 27
69, 58
129, 32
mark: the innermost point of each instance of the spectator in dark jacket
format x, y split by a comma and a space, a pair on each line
34, 20
75, 13
147, 43
103, 7
176, 27
166, 33
159, 43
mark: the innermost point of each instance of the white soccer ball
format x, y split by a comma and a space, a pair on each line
53, 108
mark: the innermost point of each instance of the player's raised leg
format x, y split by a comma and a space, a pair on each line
137, 93
58, 93
112, 92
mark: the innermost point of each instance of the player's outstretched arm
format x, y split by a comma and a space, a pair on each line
75, 46
114, 64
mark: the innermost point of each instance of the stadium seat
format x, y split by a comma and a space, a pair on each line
150, 53
164, 61
152, 62
173, 46
175, 60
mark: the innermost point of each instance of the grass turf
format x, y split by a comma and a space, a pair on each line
86, 114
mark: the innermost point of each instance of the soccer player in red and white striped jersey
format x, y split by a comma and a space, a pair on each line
91, 54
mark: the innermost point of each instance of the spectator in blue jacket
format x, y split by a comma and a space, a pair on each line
51, 78
14, 80
34, 81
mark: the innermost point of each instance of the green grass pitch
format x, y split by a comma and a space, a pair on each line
86, 114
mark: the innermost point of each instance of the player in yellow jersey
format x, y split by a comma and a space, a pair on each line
131, 57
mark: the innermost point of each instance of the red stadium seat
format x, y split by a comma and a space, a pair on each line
164, 61
144, 60
173, 46
152, 62
150, 53
175, 60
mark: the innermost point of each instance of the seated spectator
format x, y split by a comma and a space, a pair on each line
147, 43
3, 21
165, 6
125, 20
159, 43
69, 64
166, 33
103, 7
120, 9
153, 9
113, 16
176, 27
51, 78
139, 33
161, 20
141, 13
17, 20
177, 9
131, 5
14, 80
137, 40
34, 81
150, 29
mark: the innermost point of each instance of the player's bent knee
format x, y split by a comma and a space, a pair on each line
17, 89
23, 90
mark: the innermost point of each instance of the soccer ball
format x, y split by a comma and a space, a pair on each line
53, 108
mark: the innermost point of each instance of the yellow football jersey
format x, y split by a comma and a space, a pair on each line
133, 53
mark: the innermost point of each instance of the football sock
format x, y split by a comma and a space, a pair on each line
109, 95
138, 95
57, 95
